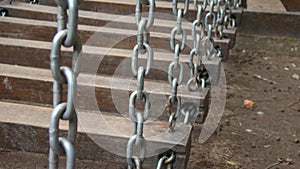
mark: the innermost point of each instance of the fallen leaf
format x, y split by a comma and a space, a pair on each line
230, 163
249, 104
249, 130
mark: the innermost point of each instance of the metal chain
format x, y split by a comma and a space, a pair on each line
229, 22
137, 140
174, 101
138, 120
67, 37
195, 84
143, 36
166, 160
4, 12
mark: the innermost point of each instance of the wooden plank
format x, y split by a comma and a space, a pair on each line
107, 93
103, 19
119, 38
36, 54
15, 117
127, 7
42, 12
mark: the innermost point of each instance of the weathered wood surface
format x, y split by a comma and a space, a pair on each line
37, 54
105, 93
47, 13
117, 38
127, 7
19, 121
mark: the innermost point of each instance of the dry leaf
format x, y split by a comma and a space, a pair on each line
249, 104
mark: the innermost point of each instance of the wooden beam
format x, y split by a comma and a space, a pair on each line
127, 7
119, 38
107, 93
32, 122
41, 12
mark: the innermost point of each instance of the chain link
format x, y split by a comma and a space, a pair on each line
175, 8
138, 122
138, 12
137, 140
177, 48
67, 37
4, 12
166, 160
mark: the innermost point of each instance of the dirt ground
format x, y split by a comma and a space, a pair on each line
256, 138
246, 138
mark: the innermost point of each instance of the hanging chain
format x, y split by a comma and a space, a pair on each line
4, 12
166, 159
67, 37
137, 140
174, 101
229, 22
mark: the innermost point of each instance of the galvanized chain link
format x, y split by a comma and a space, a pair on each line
4, 12
67, 37
229, 21
138, 119
194, 83
143, 35
174, 101
33, 2
175, 8
166, 160
137, 140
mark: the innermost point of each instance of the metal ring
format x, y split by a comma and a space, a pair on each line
132, 99
177, 100
140, 83
138, 11
134, 60
161, 162
55, 55
72, 23
174, 89
175, 8
129, 150
70, 152
192, 54
54, 128
139, 127
140, 36
170, 72
213, 24
68, 73
172, 39
172, 122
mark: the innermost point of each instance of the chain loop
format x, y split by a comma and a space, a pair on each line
132, 99
175, 8
129, 151
134, 60
174, 65
142, 32
138, 13
72, 5
172, 39
67, 37
55, 55
174, 114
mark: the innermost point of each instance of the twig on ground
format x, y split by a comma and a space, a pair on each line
264, 79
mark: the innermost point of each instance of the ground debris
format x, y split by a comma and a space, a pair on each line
295, 76
249, 104
287, 161
265, 79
